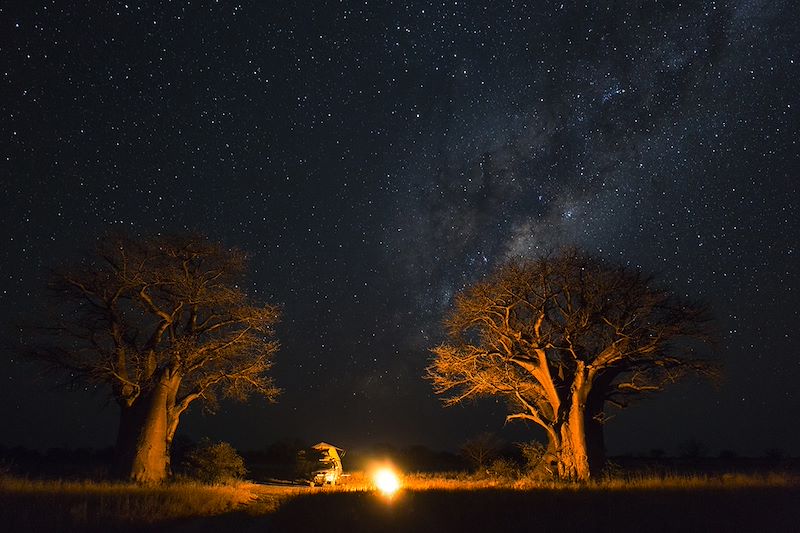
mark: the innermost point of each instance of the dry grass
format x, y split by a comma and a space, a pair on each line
731, 481
361, 481
452, 481
46, 505
472, 500
460, 481
269, 497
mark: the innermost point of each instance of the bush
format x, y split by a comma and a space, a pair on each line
214, 463
504, 469
538, 462
533, 453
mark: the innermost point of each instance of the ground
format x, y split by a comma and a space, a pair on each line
451, 504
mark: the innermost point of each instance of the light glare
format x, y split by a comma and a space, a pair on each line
386, 481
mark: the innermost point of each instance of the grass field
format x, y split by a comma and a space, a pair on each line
426, 503
60, 506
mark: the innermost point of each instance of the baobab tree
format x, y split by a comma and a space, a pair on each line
560, 338
162, 322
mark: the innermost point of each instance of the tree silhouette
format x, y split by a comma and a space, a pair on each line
481, 449
163, 322
560, 337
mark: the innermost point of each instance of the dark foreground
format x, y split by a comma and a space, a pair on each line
507, 510
491, 510
767, 509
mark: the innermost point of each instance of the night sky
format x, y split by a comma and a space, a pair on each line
373, 158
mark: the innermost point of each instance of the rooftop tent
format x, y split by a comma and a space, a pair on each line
332, 461
325, 446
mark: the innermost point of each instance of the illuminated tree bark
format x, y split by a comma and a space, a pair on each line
162, 323
560, 338
142, 444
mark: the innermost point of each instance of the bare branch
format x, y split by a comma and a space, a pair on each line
141, 307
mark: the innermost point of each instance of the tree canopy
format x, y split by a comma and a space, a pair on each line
159, 319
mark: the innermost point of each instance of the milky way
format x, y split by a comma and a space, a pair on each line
375, 159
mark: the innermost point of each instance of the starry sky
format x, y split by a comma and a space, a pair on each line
376, 157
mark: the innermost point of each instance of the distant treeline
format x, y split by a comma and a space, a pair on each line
64, 463
278, 460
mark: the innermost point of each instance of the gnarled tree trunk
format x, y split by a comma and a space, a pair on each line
573, 456
595, 433
142, 449
173, 418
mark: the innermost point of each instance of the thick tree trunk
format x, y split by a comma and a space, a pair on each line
573, 458
173, 417
142, 438
595, 433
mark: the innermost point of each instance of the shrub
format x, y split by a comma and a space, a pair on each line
538, 462
504, 469
214, 463
533, 452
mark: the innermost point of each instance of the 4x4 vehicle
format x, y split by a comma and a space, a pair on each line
322, 464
